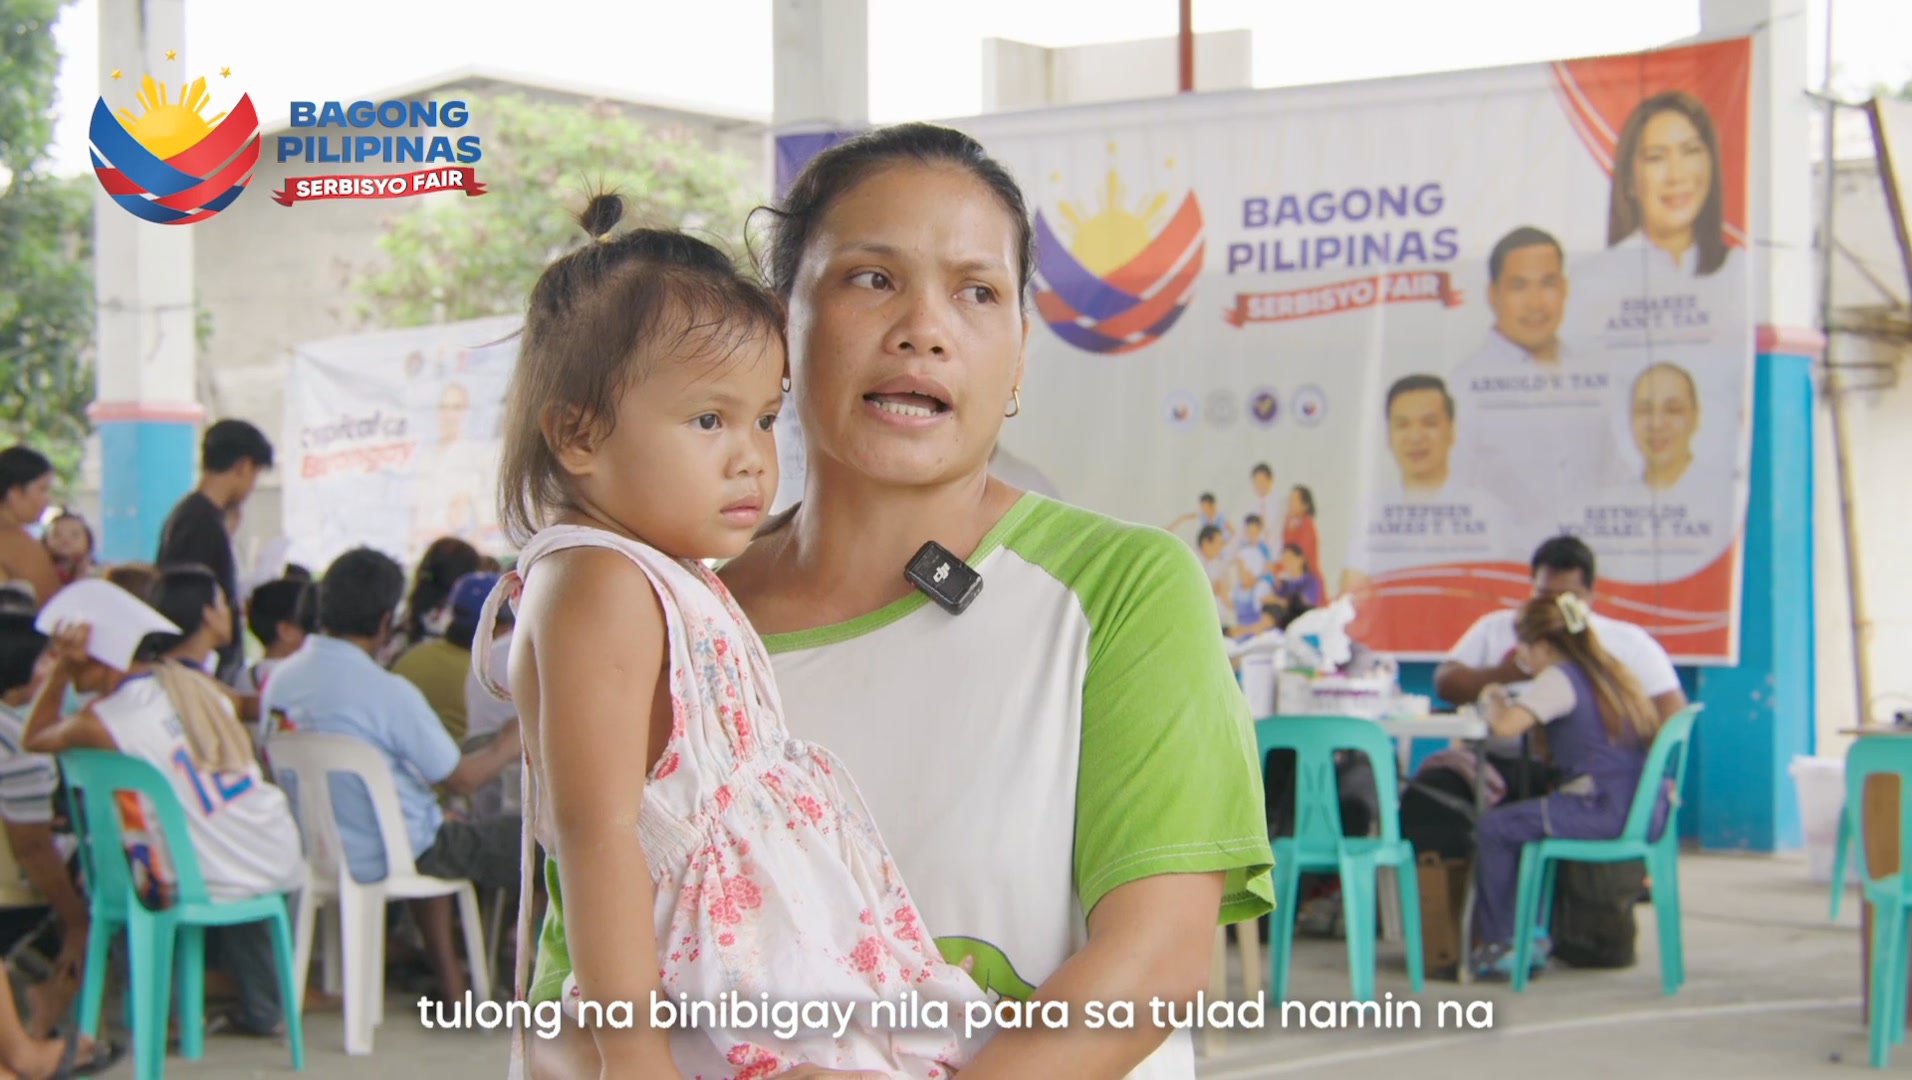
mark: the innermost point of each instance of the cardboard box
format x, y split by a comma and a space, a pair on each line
1443, 885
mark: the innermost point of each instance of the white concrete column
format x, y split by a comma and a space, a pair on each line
821, 58
1786, 287
146, 405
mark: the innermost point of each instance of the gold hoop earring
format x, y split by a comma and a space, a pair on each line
1015, 397
786, 384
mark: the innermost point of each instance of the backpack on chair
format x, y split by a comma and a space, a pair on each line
1593, 924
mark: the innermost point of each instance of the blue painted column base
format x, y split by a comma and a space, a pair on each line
1759, 713
146, 467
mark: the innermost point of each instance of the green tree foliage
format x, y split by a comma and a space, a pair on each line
461, 257
46, 231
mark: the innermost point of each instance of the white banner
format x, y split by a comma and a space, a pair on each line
394, 440
1412, 328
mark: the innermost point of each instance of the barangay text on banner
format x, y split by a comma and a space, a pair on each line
1345, 296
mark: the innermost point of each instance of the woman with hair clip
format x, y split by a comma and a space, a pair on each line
171, 714
1599, 725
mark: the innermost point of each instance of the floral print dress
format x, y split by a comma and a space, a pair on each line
770, 877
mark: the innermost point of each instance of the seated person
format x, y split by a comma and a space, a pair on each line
23, 1054
486, 715
173, 715
27, 785
1291, 589
438, 666
334, 685
281, 615
1297, 584
212, 622
1222, 572
1485, 655
1252, 549
1599, 725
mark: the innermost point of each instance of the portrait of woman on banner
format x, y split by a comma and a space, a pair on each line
1669, 272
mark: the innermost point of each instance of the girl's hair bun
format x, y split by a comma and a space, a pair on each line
602, 214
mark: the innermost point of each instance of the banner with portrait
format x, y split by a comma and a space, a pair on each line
394, 438
1385, 338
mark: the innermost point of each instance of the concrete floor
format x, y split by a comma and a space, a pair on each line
1772, 991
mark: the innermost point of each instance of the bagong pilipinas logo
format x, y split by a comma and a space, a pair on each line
170, 163
1121, 283
425, 132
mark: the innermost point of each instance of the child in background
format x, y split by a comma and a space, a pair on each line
1267, 505
698, 849
70, 541
1298, 528
1253, 551
1208, 516
1222, 570
281, 614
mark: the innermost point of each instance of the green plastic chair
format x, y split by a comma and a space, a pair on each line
1318, 844
1890, 896
156, 938
1534, 893
1839, 849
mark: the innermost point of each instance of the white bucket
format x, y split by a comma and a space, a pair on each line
1258, 683
1821, 784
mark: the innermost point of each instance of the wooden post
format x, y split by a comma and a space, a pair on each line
1187, 42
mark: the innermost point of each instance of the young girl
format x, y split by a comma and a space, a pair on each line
70, 541
704, 852
1599, 726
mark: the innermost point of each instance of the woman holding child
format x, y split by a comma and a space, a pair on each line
1063, 772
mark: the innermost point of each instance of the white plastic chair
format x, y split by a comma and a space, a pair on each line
309, 759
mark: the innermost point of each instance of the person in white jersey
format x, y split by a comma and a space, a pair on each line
1065, 770
1484, 656
177, 718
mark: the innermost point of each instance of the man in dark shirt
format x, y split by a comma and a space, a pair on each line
231, 457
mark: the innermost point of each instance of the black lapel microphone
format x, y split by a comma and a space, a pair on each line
947, 579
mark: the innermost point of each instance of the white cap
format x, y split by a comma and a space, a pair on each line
119, 619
